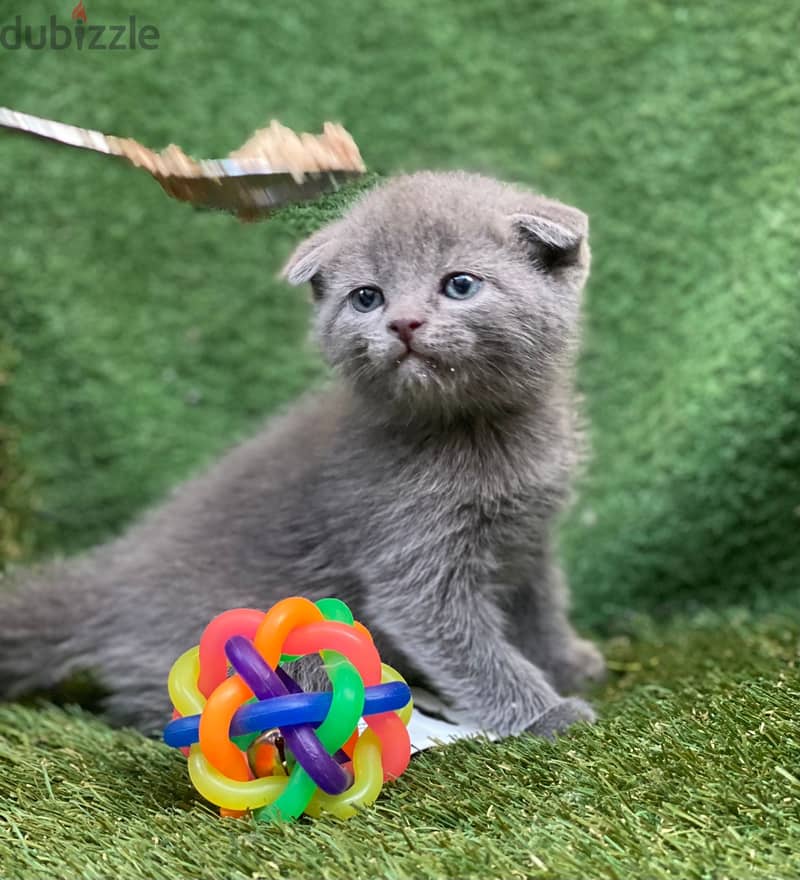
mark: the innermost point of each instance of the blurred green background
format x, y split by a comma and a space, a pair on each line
141, 338
138, 339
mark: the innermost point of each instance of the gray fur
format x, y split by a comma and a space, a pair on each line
421, 491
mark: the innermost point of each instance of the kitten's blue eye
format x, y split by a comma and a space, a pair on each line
365, 299
461, 286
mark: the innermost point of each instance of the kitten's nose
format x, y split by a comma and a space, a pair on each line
404, 328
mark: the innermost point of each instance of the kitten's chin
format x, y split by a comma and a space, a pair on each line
415, 373
421, 386
415, 386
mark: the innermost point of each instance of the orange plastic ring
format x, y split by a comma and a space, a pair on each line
227, 697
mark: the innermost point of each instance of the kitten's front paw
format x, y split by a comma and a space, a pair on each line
562, 715
577, 667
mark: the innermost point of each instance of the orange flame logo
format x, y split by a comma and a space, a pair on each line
79, 12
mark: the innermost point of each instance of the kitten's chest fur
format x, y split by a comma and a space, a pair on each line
483, 486
333, 500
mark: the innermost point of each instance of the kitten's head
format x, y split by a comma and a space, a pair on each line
447, 292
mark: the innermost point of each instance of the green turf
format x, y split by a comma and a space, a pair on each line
692, 774
138, 339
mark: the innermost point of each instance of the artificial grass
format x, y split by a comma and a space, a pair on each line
140, 338
692, 774
149, 337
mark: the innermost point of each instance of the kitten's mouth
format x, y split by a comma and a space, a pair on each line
414, 362
411, 354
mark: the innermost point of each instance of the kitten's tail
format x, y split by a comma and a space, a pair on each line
44, 628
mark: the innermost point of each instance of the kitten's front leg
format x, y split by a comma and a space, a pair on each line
451, 628
538, 624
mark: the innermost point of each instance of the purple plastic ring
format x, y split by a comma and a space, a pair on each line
301, 739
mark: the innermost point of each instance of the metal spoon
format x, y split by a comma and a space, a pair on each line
248, 188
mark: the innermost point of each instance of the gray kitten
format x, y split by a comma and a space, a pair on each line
421, 488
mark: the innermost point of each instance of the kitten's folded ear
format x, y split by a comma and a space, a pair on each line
556, 234
311, 255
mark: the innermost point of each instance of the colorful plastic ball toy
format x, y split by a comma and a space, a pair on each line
256, 742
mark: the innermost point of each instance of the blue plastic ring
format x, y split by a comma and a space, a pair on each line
289, 710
